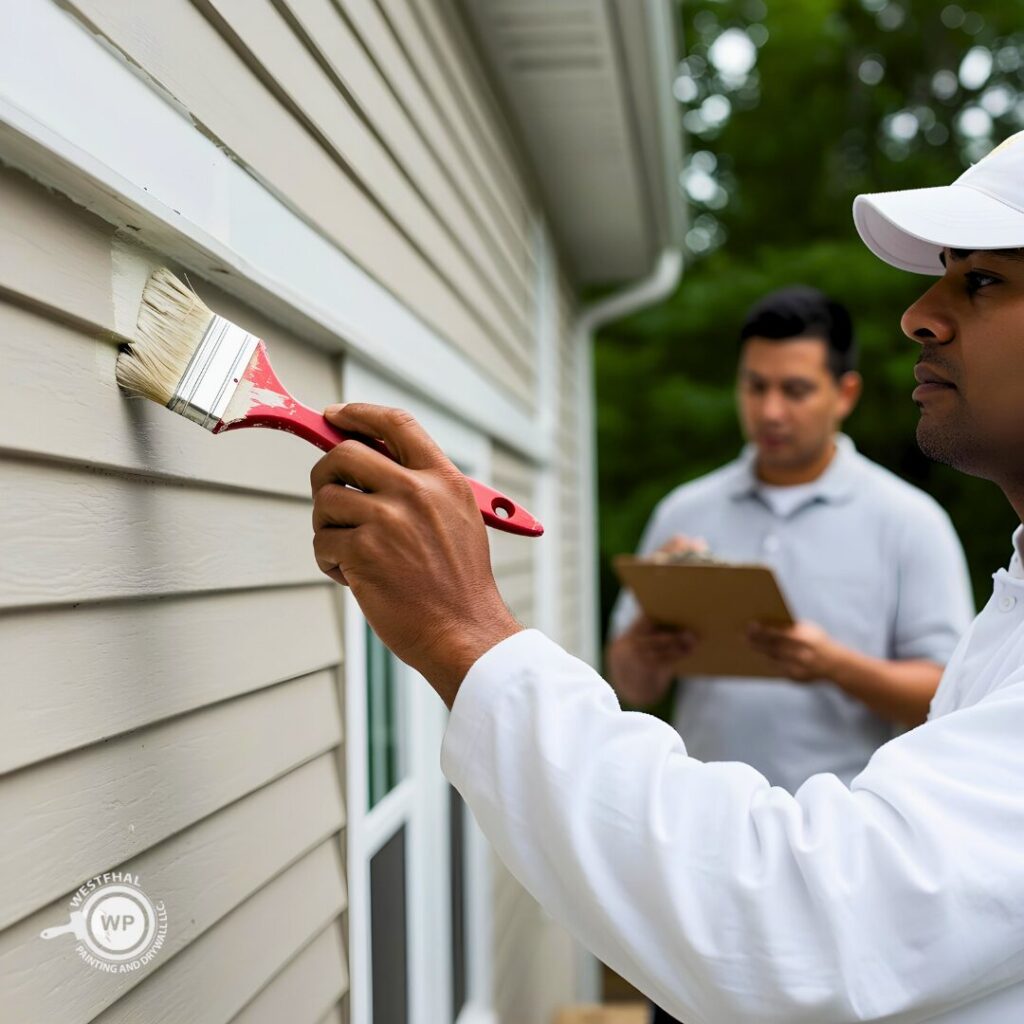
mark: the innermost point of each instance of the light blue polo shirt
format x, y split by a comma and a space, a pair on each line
871, 559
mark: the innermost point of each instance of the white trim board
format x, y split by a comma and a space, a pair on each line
76, 117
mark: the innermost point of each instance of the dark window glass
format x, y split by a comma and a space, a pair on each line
388, 958
382, 728
457, 882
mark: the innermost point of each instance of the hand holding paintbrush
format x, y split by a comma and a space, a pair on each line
213, 372
408, 541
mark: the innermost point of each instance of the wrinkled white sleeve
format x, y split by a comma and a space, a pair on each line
727, 900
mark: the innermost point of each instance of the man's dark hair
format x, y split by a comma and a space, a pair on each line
802, 312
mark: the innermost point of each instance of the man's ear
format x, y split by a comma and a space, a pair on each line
850, 385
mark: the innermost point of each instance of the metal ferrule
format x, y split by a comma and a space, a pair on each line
213, 372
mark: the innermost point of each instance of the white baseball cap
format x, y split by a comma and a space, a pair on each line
982, 209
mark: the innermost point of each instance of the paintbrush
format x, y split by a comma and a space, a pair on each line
213, 372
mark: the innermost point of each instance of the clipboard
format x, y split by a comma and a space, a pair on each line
717, 601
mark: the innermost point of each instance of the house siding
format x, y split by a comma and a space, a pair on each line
172, 657
255, 80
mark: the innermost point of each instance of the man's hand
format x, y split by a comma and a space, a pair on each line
642, 660
898, 690
409, 543
680, 544
804, 651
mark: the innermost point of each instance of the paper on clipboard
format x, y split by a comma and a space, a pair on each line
717, 601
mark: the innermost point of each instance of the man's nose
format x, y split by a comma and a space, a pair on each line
925, 321
773, 406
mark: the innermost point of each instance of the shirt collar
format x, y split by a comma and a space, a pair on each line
835, 484
1016, 568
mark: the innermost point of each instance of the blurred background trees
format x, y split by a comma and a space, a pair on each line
790, 108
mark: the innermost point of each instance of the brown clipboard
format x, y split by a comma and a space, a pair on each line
716, 601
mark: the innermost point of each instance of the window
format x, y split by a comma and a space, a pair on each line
383, 721
457, 893
419, 892
388, 930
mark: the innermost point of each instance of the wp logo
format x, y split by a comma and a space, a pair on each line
118, 927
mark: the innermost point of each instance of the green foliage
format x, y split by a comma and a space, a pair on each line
806, 133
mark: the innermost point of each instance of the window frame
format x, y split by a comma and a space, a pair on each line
420, 800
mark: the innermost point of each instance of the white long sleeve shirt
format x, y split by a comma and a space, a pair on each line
899, 898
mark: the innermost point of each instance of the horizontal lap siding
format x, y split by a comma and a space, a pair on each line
310, 981
62, 274
171, 660
203, 873
181, 642
332, 41
440, 73
228, 966
291, 89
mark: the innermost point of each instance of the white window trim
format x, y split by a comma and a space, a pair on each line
192, 202
420, 800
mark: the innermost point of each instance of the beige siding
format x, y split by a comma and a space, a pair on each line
310, 981
170, 700
290, 90
173, 657
225, 968
336, 1015
429, 45
533, 957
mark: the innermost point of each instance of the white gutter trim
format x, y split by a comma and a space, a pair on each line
659, 284
656, 286
646, 291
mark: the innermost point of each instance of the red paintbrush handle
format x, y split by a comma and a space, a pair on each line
498, 511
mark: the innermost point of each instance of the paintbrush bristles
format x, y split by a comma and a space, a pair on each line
172, 322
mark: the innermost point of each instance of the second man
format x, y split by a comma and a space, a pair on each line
871, 567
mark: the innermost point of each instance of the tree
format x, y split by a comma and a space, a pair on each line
790, 110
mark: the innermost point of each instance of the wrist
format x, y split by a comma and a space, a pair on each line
839, 665
458, 648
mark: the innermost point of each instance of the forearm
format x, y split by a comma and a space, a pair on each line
900, 691
626, 672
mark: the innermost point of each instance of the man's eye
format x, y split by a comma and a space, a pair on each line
978, 279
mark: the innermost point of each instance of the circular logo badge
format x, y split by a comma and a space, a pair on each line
118, 926
120, 922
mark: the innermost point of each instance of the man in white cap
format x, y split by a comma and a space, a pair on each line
898, 898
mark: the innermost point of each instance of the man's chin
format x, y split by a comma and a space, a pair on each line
942, 444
